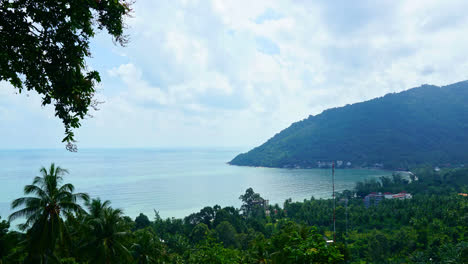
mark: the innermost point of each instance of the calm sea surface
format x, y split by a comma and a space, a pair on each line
174, 182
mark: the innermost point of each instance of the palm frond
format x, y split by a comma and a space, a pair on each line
44, 171
67, 187
23, 201
28, 189
71, 207
38, 180
60, 171
25, 212
116, 212
82, 196
125, 253
31, 220
23, 226
96, 207
106, 203
64, 196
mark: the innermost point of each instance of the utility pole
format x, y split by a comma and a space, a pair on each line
333, 183
346, 217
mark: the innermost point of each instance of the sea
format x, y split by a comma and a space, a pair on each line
173, 182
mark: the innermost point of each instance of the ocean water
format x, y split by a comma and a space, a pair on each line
175, 182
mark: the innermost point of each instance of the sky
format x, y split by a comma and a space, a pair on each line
233, 73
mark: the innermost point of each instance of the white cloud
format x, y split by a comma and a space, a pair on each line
236, 72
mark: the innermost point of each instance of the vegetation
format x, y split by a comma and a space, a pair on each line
44, 212
43, 47
424, 124
429, 228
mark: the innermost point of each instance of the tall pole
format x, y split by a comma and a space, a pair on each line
346, 217
333, 183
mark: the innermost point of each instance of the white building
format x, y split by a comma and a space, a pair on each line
401, 195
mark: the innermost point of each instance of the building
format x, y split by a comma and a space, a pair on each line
378, 165
375, 198
388, 195
324, 164
262, 202
402, 195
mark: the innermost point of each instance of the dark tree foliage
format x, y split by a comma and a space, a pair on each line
226, 234
141, 221
428, 124
7, 240
199, 233
429, 228
43, 47
251, 202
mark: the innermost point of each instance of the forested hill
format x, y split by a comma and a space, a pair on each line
427, 124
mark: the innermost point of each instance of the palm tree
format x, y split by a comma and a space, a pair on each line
44, 210
96, 207
107, 234
147, 248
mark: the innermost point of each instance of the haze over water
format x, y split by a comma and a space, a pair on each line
175, 182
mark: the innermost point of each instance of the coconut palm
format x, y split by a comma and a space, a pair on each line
96, 207
147, 248
107, 234
44, 210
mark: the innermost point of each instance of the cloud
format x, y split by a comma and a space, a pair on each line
268, 14
267, 46
234, 72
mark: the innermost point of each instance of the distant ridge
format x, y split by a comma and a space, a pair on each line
427, 124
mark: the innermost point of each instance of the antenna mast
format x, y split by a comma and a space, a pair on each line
333, 183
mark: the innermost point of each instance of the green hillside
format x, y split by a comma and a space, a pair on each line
427, 124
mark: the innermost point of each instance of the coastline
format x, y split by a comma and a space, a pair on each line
309, 168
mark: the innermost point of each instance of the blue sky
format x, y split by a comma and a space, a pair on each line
234, 73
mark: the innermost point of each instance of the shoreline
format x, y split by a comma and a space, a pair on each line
311, 168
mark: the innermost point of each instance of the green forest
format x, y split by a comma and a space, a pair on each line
198, 80
61, 226
403, 130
